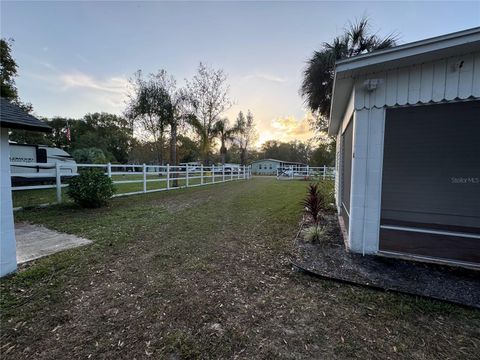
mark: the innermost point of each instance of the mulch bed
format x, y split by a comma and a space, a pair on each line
329, 259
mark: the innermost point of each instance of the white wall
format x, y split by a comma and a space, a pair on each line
365, 198
8, 253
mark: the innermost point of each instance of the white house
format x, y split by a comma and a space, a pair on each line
270, 166
407, 121
11, 117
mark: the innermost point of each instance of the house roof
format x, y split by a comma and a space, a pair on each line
280, 161
14, 117
347, 70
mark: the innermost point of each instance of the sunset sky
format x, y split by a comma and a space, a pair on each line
76, 57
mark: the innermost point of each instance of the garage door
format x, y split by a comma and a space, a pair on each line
431, 181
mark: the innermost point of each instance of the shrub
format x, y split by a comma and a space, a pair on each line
326, 190
313, 233
313, 203
91, 189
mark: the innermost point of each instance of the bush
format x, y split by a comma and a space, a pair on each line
313, 203
313, 233
326, 190
91, 189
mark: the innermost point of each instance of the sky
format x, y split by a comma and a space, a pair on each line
76, 57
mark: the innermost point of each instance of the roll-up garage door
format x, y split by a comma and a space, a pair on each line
431, 181
347, 143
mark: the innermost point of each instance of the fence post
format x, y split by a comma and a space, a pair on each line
238, 173
58, 182
186, 175
324, 171
168, 176
243, 173
223, 173
109, 170
201, 174
144, 178
213, 173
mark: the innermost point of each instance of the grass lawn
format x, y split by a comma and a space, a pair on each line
28, 198
204, 273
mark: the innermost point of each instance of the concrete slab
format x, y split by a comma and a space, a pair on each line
36, 241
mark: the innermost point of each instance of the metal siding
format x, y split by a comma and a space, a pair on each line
426, 83
391, 88
476, 76
414, 84
442, 80
451, 80
402, 86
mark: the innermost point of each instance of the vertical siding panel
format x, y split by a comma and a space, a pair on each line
402, 86
414, 85
465, 77
439, 80
451, 81
359, 100
391, 88
476, 76
426, 84
381, 90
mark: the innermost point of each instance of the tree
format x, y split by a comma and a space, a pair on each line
323, 154
225, 133
8, 71
149, 106
294, 151
208, 96
246, 134
318, 76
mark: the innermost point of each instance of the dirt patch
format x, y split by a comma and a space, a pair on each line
329, 258
210, 281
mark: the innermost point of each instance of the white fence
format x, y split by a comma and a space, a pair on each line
306, 172
158, 177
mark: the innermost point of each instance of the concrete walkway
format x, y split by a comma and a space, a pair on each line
36, 241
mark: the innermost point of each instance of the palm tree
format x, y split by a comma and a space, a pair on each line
206, 135
224, 134
318, 76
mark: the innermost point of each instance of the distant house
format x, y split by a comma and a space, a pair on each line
11, 117
270, 166
407, 122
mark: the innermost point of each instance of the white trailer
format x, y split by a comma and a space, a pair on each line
27, 155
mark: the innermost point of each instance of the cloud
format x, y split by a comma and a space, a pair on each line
81, 80
286, 128
80, 92
264, 76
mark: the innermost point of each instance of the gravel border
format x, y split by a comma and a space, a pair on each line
330, 259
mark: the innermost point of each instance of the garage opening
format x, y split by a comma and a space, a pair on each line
431, 181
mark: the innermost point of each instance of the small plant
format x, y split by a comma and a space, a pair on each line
91, 189
313, 233
313, 203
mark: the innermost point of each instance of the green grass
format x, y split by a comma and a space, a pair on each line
31, 198
204, 273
